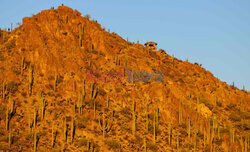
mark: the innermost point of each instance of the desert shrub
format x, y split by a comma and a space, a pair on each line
219, 103
83, 141
24, 94
218, 141
118, 90
207, 103
82, 121
113, 144
94, 52
102, 53
16, 71
224, 130
2, 113
246, 125
151, 116
12, 87
126, 111
152, 146
50, 78
101, 92
88, 67
231, 106
87, 16
125, 128
11, 44
234, 116
1, 57
183, 125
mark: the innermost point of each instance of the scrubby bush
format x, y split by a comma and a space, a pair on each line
12, 87
87, 16
113, 144
234, 116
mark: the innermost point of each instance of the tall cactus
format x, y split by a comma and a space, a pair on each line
81, 35
180, 112
104, 125
29, 122
81, 99
72, 129
52, 135
147, 119
198, 104
157, 116
189, 128
169, 133
67, 19
9, 112
94, 91
173, 60
35, 141
55, 82
215, 99
177, 143
9, 139
4, 90
133, 118
30, 80
11, 27
65, 129
107, 101
42, 106
35, 119
22, 65
7, 118
155, 128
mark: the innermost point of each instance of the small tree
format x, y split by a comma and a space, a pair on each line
87, 16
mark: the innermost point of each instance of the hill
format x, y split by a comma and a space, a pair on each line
65, 87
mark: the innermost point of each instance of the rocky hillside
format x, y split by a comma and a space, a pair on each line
64, 87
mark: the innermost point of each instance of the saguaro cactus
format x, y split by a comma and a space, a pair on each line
72, 129
189, 128
55, 82
145, 145
107, 100
133, 118
180, 112
9, 112
35, 141
215, 99
34, 121
81, 35
67, 19
4, 90
169, 133
7, 118
147, 119
30, 80
104, 125
173, 60
155, 128
11, 27
42, 106
22, 65
9, 139
65, 129
52, 135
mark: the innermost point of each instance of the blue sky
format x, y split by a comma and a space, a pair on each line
215, 33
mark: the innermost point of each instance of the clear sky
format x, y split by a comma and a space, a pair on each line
214, 33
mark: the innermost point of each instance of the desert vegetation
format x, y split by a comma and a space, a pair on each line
48, 103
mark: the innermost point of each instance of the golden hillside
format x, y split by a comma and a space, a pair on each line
49, 101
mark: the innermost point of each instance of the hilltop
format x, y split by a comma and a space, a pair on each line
49, 101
